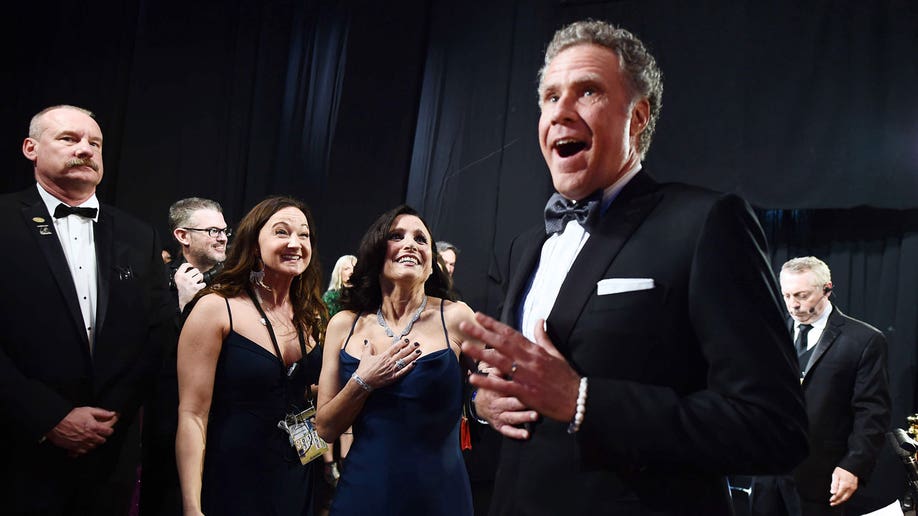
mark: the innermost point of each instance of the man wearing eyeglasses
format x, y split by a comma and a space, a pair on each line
198, 226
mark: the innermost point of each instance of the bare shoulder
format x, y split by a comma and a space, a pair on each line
208, 311
338, 327
209, 305
341, 320
457, 310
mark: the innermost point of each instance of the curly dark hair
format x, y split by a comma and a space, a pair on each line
309, 312
365, 294
640, 68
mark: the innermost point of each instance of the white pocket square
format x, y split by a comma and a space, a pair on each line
619, 285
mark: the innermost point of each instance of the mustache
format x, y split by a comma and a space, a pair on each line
84, 162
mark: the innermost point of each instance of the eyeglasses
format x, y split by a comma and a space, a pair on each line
213, 232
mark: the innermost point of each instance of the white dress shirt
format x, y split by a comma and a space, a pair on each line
77, 240
558, 254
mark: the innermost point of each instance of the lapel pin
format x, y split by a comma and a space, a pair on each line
43, 229
38, 219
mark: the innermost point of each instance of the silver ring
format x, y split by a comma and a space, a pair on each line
399, 365
513, 369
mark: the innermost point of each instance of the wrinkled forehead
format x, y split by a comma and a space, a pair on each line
65, 119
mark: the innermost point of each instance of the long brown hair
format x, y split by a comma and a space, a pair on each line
309, 312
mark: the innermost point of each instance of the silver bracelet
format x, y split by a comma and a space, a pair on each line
360, 381
574, 426
472, 411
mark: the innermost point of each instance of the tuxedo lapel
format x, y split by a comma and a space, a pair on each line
40, 224
829, 334
522, 270
616, 226
104, 242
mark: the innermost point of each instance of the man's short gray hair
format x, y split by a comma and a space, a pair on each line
36, 127
181, 211
812, 264
640, 68
443, 245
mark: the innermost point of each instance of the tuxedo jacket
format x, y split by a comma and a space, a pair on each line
689, 380
846, 388
46, 366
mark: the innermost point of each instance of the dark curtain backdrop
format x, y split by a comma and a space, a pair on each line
228, 99
806, 108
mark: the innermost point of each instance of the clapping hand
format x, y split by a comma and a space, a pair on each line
529, 378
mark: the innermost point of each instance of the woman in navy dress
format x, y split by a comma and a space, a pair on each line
248, 356
392, 369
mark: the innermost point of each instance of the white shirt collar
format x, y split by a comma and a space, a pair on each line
51, 202
818, 324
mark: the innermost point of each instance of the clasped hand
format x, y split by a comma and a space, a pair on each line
390, 365
525, 378
83, 429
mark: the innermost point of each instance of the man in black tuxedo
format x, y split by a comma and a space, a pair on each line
845, 383
84, 312
653, 358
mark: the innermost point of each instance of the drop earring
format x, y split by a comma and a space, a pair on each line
257, 277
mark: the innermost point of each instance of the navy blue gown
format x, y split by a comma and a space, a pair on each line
406, 459
249, 466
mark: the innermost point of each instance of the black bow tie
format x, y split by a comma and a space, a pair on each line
559, 211
63, 210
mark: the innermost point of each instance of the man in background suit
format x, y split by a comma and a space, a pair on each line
845, 383
83, 314
653, 357
200, 230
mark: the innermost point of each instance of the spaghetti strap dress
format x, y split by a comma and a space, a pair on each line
406, 459
249, 466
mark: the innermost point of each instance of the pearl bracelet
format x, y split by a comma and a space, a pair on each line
361, 382
574, 426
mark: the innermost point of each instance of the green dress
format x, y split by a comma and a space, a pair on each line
331, 301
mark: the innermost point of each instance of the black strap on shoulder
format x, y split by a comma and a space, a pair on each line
443, 320
353, 325
229, 312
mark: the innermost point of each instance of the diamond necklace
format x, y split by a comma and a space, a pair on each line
382, 322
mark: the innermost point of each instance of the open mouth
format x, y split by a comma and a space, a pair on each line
290, 257
567, 148
411, 260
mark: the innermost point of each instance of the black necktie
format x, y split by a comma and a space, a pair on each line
63, 210
801, 343
559, 211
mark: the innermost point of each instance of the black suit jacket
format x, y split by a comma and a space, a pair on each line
847, 398
46, 368
688, 381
